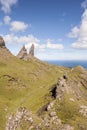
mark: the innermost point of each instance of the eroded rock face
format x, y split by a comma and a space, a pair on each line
60, 88
2, 43
31, 52
23, 53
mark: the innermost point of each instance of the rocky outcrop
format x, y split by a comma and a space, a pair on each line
23, 53
5, 54
60, 88
47, 122
51, 121
14, 121
31, 52
71, 84
2, 43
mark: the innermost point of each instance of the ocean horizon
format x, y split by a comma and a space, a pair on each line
68, 63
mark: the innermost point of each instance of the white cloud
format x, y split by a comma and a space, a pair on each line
18, 26
74, 32
26, 40
7, 19
15, 26
29, 40
84, 4
80, 33
50, 45
33, 40
7, 4
11, 39
42, 47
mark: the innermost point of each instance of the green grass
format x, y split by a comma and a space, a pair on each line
28, 84
25, 84
67, 110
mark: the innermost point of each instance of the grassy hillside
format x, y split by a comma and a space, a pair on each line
29, 84
25, 83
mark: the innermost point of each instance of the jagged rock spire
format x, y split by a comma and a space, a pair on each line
23, 53
2, 43
31, 52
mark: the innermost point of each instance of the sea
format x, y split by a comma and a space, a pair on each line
69, 63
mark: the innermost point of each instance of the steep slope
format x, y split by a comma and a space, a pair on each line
24, 83
57, 96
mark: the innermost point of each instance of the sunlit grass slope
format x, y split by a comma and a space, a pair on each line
25, 83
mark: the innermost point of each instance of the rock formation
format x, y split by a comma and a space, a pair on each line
31, 52
14, 121
23, 53
48, 122
4, 52
2, 43
61, 87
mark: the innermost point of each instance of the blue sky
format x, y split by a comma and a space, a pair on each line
57, 28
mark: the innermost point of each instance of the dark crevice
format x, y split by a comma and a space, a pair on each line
53, 91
